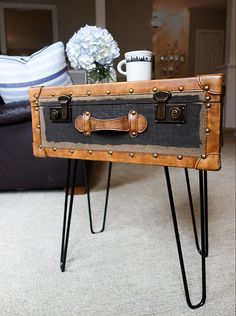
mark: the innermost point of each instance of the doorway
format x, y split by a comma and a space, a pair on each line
209, 52
26, 28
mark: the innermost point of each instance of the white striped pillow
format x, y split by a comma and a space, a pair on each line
46, 67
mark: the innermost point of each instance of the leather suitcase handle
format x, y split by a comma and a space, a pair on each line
133, 123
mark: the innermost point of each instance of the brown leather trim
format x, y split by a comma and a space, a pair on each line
211, 162
134, 87
134, 123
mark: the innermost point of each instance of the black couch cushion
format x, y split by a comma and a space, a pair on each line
15, 112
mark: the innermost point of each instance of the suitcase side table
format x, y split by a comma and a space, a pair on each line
169, 123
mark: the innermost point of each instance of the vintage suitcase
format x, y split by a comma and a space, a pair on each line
170, 122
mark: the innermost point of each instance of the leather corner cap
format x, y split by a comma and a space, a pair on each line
212, 163
133, 123
214, 87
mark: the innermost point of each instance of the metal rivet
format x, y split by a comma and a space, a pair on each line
87, 133
207, 130
131, 154
208, 105
70, 93
72, 150
36, 96
155, 156
208, 98
203, 156
36, 102
108, 92
206, 87
36, 109
53, 94
40, 146
54, 149
133, 134
133, 112
90, 152
154, 89
179, 157
89, 93
181, 88
131, 90
87, 113
110, 152
38, 126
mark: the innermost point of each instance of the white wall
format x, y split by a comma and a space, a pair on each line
230, 69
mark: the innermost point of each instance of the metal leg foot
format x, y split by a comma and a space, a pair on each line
88, 197
70, 184
204, 234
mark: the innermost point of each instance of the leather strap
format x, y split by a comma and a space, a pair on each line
133, 123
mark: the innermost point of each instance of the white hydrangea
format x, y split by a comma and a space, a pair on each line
89, 46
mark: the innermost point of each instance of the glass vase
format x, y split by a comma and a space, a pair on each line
101, 74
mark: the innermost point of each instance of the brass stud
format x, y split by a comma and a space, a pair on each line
54, 149
133, 134
87, 113
36, 96
72, 150
37, 102
203, 156
179, 157
181, 88
53, 94
70, 93
40, 146
108, 92
208, 98
206, 87
89, 93
208, 105
90, 152
38, 126
131, 155
131, 90
155, 156
110, 152
36, 108
207, 130
154, 89
133, 112
87, 133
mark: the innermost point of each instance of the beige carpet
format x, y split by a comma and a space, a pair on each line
132, 268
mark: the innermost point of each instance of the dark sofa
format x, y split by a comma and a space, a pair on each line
19, 169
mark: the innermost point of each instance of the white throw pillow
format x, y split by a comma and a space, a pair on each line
46, 67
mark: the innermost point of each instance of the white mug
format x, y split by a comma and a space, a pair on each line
138, 65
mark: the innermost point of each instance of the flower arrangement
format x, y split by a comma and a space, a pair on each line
93, 49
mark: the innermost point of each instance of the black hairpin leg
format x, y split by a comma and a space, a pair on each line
88, 196
70, 184
203, 211
193, 215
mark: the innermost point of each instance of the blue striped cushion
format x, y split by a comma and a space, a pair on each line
46, 67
